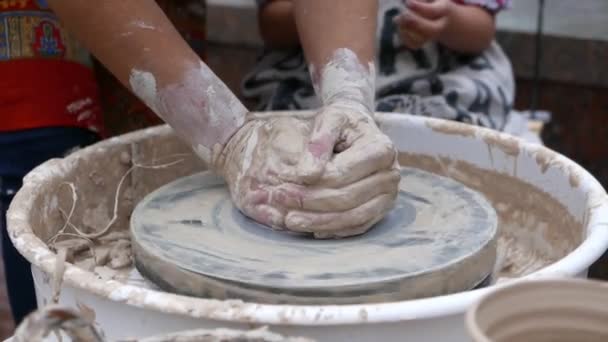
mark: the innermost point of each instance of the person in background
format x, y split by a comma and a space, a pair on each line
49, 105
434, 58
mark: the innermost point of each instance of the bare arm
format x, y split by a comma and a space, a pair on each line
138, 44
338, 39
327, 25
277, 24
346, 147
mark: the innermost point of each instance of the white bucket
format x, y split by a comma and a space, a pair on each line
542, 311
549, 197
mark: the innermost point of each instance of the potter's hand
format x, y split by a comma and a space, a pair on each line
261, 165
348, 161
250, 164
352, 167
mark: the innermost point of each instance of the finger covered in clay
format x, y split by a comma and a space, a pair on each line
327, 131
364, 158
345, 223
323, 198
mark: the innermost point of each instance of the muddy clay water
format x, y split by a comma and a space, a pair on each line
535, 230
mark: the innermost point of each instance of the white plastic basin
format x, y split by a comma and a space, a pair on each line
548, 197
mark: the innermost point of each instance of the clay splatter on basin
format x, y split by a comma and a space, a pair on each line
535, 230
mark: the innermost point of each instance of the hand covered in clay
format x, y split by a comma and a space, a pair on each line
354, 167
279, 177
423, 21
252, 161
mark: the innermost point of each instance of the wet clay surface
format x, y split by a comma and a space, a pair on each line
535, 230
190, 239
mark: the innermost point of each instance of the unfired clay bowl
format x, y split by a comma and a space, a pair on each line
542, 311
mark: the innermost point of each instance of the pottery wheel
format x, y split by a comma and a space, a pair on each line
440, 238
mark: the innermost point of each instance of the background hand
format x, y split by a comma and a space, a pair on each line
423, 21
